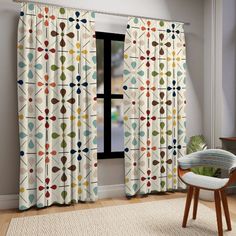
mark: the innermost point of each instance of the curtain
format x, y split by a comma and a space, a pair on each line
56, 106
154, 104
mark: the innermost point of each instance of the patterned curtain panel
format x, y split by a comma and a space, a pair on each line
57, 106
154, 100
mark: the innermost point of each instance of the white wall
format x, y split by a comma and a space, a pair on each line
109, 171
229, 71
208, 37
9, 157
212, 108
219, 70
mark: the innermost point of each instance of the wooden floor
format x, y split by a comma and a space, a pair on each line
7, 215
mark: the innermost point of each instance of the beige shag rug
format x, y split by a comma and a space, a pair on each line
160, 218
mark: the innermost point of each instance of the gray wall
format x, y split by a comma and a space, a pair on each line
109, 171
229, 71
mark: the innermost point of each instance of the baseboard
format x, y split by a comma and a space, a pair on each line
110, 191
231, 189
107, 191
8, 201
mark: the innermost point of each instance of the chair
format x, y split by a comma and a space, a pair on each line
214, 158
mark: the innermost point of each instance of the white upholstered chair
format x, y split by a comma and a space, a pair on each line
213, 158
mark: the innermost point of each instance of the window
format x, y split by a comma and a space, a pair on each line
110, 51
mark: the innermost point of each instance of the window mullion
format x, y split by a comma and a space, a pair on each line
107, 97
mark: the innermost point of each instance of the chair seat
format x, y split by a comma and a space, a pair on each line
204, 181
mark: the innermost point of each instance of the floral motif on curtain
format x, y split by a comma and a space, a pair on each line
154, 104
56, 106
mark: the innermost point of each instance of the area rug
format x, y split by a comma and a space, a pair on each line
160, 218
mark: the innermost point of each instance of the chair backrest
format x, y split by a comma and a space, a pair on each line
211, 157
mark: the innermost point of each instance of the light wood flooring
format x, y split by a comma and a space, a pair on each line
7, 215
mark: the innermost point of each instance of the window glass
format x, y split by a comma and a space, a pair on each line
110, 53
117, 129
100, 125
100, 66
117, 64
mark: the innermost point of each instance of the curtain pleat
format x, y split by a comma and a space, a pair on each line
154, 104
56, 106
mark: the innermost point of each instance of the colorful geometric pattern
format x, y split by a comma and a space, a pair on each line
56, 106
154, 100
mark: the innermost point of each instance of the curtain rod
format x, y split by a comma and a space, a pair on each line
102, 12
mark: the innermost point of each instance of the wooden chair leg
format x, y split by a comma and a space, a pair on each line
187, 206
226, 209
218, 212
195, 205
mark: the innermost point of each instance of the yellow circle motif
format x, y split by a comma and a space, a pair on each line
22, 190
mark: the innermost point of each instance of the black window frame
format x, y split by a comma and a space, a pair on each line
107, 96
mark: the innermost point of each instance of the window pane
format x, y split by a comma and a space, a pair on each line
100, 66
100, 125
117, 131
117, 63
